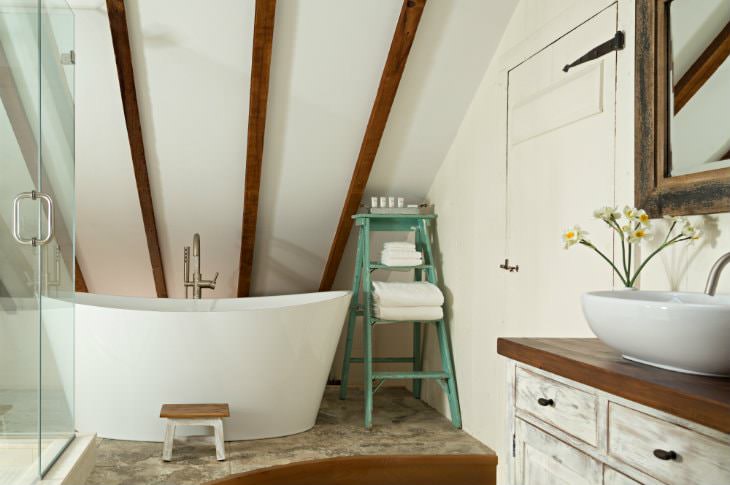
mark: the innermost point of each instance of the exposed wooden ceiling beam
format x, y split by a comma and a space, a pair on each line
125, 71
702, 69
400, 47
263, 35
726, 156
80, 281
28, 145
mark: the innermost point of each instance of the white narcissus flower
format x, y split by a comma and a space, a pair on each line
691, 231
638, 234
607, 213
676, 219
643, 217
631, 213
572, 236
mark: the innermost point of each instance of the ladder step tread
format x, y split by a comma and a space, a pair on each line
375, 265
411, 375
379, 321
383, 359
360, 312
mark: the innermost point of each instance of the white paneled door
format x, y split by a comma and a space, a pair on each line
560, 166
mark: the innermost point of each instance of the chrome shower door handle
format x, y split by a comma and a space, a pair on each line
16, 218
50, 219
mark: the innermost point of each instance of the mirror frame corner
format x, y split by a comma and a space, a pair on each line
654, 190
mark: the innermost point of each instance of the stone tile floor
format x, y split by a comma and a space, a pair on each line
402, 425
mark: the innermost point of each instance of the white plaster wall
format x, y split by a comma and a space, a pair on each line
469, 192
453, 47
192, 63
700, 137
325, 72
699, 131
192, 73
693, 27
111, 245
455, 41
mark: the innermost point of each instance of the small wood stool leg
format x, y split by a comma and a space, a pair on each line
220, 450
169, 438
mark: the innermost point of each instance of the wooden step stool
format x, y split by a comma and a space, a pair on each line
194, 415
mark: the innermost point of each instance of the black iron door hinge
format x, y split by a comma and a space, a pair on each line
616, 44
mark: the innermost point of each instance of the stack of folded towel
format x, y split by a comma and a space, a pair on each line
418, 300
398, 253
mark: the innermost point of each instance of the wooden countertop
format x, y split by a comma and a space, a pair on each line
703, 400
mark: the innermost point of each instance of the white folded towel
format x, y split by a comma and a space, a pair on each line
408, 313
399, 245
413, 294
400, 253
395, 261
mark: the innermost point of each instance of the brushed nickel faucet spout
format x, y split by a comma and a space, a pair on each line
197, 283
715, 272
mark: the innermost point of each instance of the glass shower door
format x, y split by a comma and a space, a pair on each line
56, 33
19, 263
36, 236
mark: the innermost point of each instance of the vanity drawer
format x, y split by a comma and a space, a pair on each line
567, 408
612, 477
634, 436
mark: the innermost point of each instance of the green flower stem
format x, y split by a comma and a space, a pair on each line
615, 225
669, 232
675, 239
588, 244
628, 269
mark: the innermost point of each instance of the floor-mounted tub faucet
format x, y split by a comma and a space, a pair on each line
714, 276
197, 283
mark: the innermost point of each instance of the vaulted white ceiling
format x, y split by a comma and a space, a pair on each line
192, 63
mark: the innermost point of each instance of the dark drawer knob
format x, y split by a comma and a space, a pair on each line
545, 402
665, 455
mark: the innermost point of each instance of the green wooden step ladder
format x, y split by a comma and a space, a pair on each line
363, 307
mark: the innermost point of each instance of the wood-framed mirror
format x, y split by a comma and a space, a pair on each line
682, 102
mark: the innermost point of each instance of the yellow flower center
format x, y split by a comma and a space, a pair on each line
570, 234
640, 233
644, 217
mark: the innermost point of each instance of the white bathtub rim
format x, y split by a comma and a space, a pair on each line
106, 301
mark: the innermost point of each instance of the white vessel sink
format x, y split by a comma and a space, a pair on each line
684, 332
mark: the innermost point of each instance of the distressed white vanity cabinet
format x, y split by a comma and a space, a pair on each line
579, 414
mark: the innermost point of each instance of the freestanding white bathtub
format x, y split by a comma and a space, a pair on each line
268, 357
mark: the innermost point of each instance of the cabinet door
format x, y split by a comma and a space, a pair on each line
542, 459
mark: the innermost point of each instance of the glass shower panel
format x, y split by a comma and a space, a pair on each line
19, 264
57, 259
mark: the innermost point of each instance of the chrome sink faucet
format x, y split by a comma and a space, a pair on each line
197, 283
714, 276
